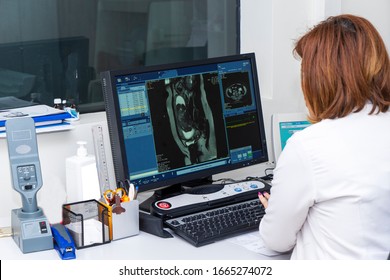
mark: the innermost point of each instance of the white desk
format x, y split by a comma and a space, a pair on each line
140, 247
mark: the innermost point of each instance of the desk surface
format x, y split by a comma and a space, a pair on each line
141, 247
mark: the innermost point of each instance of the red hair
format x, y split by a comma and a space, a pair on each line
344, 65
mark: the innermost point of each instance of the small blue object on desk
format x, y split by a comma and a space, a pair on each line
63, 242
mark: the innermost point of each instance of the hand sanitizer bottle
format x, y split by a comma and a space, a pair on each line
82, 181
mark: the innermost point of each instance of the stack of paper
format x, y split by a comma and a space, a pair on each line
46, 118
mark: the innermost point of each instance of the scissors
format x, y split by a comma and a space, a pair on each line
109, 195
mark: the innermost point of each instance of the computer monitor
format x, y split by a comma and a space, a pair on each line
284, 125
174, 124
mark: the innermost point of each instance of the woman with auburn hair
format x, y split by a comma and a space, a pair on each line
331, 189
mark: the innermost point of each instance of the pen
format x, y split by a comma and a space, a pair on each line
136, 192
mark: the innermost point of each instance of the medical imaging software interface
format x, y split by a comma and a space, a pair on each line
179, 121
287, 129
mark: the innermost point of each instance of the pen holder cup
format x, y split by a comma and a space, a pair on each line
88, 222
124, 220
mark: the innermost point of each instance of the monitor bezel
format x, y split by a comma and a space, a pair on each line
116, 132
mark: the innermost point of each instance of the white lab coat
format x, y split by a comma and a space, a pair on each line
331, 191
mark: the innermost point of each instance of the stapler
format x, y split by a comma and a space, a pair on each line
63, 242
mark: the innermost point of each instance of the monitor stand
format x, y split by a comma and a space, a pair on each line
173, 190
150, 223
155, 225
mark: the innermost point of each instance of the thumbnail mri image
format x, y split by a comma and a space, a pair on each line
236, 90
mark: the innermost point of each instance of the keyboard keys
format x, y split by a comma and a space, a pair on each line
208, 226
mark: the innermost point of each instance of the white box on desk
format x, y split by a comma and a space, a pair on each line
125, 224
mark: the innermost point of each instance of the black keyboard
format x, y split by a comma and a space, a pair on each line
208, 226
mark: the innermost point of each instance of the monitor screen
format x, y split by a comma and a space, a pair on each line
172, 124
287, 129
284, 125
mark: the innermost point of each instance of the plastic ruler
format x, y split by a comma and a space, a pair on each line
100, 154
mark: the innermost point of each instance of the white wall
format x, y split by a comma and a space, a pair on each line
376, 11
268, 28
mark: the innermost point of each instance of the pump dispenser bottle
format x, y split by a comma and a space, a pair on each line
82, 181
